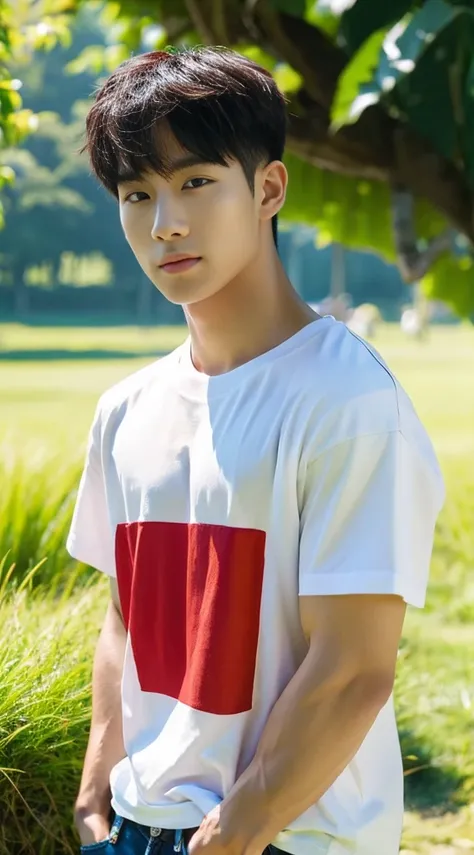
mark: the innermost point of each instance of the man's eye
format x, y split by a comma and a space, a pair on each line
197, 182
136, 193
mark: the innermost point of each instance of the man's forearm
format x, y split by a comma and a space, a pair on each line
105, 747
312, 733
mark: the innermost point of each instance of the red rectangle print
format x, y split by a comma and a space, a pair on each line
190, 596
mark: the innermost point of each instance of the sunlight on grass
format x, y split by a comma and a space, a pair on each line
18, 337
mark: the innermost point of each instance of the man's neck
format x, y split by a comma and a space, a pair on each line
249, 316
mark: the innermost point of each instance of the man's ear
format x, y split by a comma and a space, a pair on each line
273, 182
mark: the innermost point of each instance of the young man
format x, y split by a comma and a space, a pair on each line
263, 499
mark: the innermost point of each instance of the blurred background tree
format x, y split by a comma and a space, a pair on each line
380, 99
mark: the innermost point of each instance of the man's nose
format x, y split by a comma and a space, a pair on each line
169, 222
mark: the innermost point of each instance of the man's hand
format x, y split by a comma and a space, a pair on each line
92, 827
207, 837
210, 839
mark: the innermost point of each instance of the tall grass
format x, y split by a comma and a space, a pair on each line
46, 648
451, 589
36, 505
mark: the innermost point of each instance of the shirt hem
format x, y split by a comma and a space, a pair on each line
363, 583
189, 817
87, 558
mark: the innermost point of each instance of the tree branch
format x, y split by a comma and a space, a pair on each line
376, 146
315, 51
199, 20
364, 148
280, 30
413, 262
427, 174
177, 28
348, 151
219, 20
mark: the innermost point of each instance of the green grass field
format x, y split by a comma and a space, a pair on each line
50, 616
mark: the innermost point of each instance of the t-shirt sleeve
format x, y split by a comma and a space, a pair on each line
368, 516
90, 537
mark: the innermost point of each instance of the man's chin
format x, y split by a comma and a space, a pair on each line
184, 294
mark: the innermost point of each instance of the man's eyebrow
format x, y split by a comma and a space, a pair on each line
180, 163
186, 161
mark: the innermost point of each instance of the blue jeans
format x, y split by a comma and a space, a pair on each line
131, 838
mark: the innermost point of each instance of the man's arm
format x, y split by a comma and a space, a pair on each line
318, 723
105, 747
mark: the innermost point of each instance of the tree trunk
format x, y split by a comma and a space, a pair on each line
21, 294
144, 301
338, 271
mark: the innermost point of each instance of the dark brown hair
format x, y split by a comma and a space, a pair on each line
217, 103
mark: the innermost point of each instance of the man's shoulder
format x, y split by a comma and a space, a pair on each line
118, 396
341, 367
347, 389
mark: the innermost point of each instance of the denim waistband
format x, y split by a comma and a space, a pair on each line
178, 837
167, 835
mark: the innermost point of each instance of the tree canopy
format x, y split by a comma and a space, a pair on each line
380, 100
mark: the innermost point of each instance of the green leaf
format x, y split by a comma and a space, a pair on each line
286, 78
350, 210
114, 55
10, 100
336, 7
92, 59
321, 18
109, 13
349, 101
428, 96
366, 16
12, 84
451, 279
469, 113
297, 8
23, 122
7, 175
356, 213
408, 41
258, 55
401, 49
345, 209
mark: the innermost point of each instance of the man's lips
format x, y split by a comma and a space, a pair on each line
181, 265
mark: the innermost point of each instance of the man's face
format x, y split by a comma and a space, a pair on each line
204, 211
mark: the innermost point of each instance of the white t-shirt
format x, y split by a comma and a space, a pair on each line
217, 502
